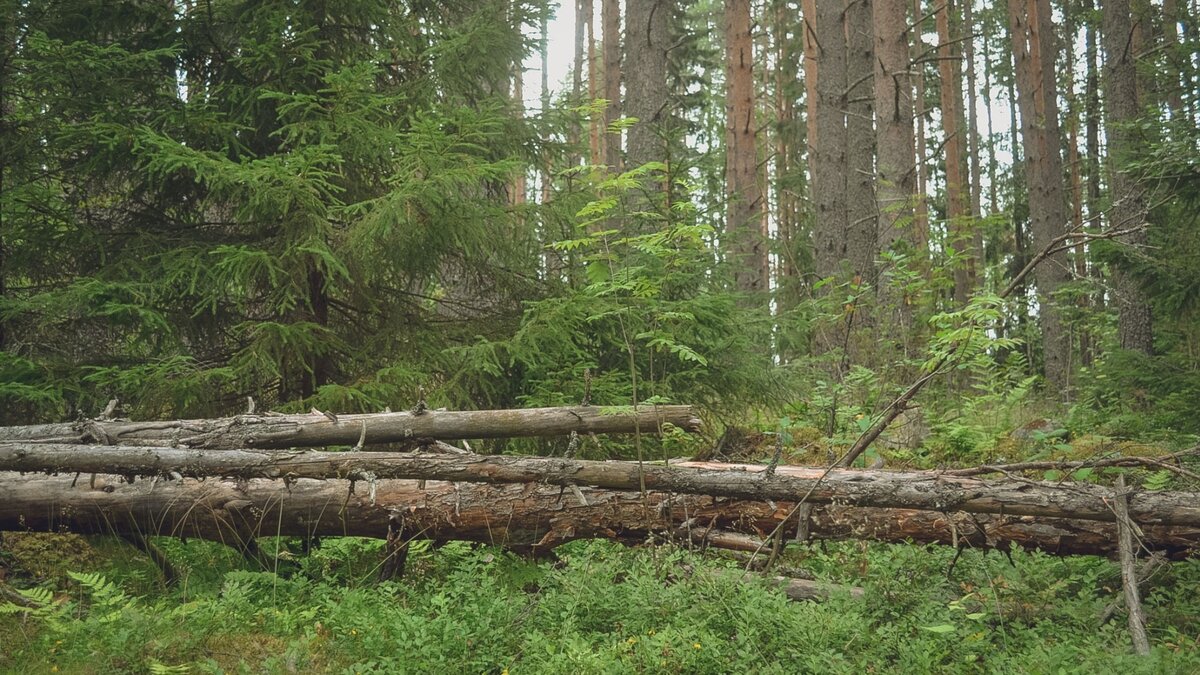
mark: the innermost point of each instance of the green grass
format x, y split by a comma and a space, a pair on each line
600, 609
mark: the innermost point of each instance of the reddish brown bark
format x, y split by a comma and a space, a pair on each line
744, 193
610, 17
1034, 52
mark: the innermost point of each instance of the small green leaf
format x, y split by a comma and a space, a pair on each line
943, 628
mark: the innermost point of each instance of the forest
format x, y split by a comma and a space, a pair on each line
507, 336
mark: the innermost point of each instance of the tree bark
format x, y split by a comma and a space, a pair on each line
595, 140
1134, 326
957, 199
646, 36
610, 17
885, 489
743, 191
317, 429
523, 517
1034, 52
862, 216
896, 151
829, 163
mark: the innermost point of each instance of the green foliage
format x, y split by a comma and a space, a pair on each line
603, 608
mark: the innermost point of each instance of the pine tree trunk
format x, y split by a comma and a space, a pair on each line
596, 152
1075, 177
1174, 79
1033, 48
611, 18
957, 199
744, 197
894, 125
975, 179
829, 161
862, 216
921, 199
646, 36
1134, 328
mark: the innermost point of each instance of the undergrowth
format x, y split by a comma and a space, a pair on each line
599, 608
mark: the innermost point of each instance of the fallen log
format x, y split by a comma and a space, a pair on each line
274, 430
525, 517
851, 487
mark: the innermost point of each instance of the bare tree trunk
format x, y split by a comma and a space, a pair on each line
957, 199
743, 191
928, 491
611, 18
921, 200
646, 36
1075, 178
319, 429
523, 517
862, 216
596, 154
976, 263
1033, 47
1134, 328
829, 161
894, 134
1174, 80
812, 56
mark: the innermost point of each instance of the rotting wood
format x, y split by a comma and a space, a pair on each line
316, 429
850, 487
528, 517
1129, 582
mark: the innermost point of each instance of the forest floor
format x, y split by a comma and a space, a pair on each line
600, 608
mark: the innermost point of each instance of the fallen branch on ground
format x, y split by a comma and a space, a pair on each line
273, 430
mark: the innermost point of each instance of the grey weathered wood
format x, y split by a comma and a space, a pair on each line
318, 429
1129, 581
850, 487
521, 516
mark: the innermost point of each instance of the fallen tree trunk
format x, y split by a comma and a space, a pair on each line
526, 517
320, 429
852, 487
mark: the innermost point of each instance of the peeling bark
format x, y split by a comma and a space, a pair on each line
318, 429
844, 487
527, 518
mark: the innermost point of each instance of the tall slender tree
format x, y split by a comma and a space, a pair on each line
1134, 327
1037, 96
744, 210
957, 195
862, 216
611, 18
894, 124
828, 160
